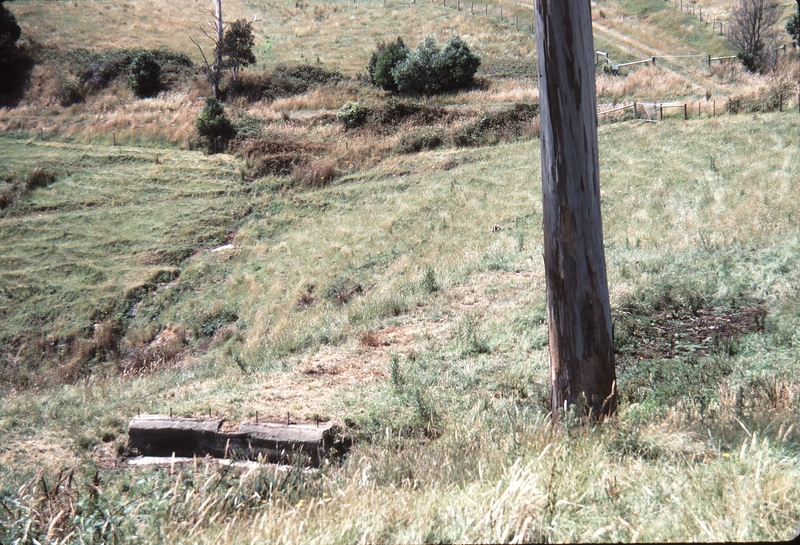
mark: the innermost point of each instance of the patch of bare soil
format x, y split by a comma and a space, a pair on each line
680, 331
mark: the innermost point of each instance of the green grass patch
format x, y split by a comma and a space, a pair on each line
453, 441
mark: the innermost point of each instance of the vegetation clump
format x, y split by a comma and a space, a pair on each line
14, 62
753, 31
145, 75
282, 81
13, 187
415, 142
426, 70
214, 127
383, 61
793, 25
237, 46
494, 127
352, 115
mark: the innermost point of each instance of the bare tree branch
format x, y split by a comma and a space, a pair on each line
753, 31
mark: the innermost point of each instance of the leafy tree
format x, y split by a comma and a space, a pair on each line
383, 61
793, 26
237, 46
145, 75
214, 127
753, 31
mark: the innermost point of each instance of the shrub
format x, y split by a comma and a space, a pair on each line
793, 26
456, 64
14, 62
10, 191
214, 127
281, 82
414, 142
145, 75
429, 70
293, 80
277, 156
383, 61
67, 89
501, 125
417, 72
352, 115
40, 177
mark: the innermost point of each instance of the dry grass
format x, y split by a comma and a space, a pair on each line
651, 83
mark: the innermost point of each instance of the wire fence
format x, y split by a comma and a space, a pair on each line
126, 138
698, 109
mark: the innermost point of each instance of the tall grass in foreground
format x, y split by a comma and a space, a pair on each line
449, 414
499, 474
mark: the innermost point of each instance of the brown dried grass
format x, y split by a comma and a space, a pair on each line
319, 173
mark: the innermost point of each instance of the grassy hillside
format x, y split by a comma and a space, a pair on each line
389, 279
437, 365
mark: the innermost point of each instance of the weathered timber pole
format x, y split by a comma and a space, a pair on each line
579, 316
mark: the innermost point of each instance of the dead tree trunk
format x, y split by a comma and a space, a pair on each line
579, 317
219, 28
216, 35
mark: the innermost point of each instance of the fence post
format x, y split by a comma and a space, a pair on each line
635, 113
501, 14
660, 112
472, 8
685, 112
780, 102
714, 108
709, 61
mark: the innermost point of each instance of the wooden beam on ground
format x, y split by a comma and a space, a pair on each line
162, 435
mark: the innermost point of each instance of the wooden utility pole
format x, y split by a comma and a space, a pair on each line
579, 316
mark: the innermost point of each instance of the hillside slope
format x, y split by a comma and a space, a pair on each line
390, 301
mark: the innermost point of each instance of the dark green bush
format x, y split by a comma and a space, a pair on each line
214, 127
494, 127
429, 70
14, 62
145, 75
456, 65
793, 26
414, 142
280, 82
383, 60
